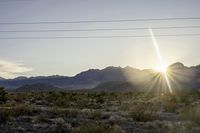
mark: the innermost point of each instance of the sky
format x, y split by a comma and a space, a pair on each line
33, 57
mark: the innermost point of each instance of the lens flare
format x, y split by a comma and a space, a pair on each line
163, 67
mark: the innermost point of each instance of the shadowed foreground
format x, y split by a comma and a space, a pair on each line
85, 112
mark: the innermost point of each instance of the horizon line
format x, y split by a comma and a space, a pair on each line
52, 75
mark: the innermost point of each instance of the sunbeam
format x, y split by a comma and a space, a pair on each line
163, 66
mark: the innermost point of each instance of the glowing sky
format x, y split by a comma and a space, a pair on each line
71, 56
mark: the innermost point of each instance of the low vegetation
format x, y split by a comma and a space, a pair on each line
99, 112
3, 97
191, 114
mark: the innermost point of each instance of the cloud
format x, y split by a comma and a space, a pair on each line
10, 69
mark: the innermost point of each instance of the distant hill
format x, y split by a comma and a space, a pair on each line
20, 78
86, 79
177, 65
2, 78
38, 87
180, 76
115, 86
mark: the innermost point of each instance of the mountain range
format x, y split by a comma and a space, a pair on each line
179, 75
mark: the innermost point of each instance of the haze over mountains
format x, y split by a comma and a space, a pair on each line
110, 78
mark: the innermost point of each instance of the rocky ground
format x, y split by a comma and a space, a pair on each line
81, 112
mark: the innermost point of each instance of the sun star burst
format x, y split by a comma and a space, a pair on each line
162, 66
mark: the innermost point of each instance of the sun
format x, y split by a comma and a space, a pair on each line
161, 68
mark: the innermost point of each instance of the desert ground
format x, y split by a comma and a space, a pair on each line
100, 112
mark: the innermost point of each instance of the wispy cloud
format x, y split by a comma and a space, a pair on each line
10, 69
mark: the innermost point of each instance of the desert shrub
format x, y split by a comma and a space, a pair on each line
3, 97
60, 101
69, 113
183, 99
19, 97
60, 128
21, 109
188, 96
126, 106
170, 104
4, 116
97, 128
192, 114
36, 96
50, 97
96, 115
18, 110
100, 100
41, 119
170, 107
142, 112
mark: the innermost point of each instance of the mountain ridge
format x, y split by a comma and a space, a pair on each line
188, 76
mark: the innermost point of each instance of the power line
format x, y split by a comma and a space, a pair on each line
99, 21
88, 37
105, 29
